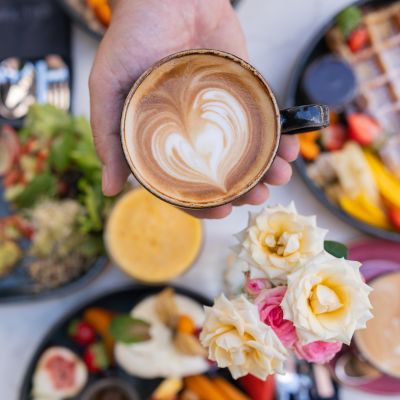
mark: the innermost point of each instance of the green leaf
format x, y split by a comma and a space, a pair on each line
61, 150
125, 329
44, 185
92, 199
92, 246
44, 120
338, 250
82, 128
348, 20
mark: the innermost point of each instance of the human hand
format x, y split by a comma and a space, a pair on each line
141, 33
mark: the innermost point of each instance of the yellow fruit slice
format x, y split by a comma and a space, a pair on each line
363, 209
151, 240
168, 389
388, 184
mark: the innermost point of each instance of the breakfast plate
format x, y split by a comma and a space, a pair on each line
324, 163
52, 210
142, 381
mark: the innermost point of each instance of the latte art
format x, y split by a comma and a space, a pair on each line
199, 129
205, 151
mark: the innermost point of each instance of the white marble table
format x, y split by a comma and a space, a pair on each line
277, 32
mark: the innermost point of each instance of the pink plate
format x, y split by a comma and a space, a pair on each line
378, 257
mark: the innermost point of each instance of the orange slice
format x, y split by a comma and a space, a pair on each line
151, 240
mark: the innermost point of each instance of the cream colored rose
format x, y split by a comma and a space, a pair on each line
278, 240
237, 339
327, 299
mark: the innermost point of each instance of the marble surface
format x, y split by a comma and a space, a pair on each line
277, 32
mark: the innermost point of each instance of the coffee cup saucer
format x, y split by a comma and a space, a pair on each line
378, 257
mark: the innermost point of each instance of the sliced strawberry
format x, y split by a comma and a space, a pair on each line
333, 137
9, 148
258, 389
394, 216
95, 357
363, 129
358, 39
12, 177
81, 332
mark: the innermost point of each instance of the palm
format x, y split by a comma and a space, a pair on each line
142, 32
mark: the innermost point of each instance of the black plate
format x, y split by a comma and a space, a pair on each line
17, 286
316, 48
122, 300
85, 18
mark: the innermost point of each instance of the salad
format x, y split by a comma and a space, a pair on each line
51, 178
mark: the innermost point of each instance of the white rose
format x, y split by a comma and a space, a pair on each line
327, 299
278, 240
237, 339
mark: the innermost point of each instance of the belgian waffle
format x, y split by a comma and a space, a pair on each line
377, 66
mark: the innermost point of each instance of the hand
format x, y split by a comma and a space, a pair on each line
141, 33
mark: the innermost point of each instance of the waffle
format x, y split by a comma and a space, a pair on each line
377, 66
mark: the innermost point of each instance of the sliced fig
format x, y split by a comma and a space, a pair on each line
59, 374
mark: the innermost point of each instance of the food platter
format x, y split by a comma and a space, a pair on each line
86, 17
120, 301
296, 95
48, 204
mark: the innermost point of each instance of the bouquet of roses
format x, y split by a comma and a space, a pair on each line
300, 294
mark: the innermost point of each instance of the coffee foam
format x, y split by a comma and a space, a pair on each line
199, 129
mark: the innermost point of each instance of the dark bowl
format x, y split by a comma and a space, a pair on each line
313, 50
120, 300
85, 18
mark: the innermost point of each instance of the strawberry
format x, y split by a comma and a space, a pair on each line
333, 137
394, 216
95, 357
358, 39
258, 389
363, 129
81, 332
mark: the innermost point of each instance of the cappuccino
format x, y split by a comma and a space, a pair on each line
200, 128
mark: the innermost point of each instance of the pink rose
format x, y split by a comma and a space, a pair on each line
253, 287
317, 352
271, 313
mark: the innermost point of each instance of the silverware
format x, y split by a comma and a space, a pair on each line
16, 88
57, 79
21, 85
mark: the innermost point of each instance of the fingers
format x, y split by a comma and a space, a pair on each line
288, 148
258, 195
105, 109
279, 173
212, 213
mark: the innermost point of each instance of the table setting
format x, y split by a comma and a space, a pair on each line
128, 297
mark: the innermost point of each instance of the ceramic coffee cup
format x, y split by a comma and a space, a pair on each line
201, 128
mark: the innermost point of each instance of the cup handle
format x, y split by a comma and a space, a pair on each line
302, 119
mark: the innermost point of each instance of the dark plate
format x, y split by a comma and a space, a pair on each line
17, 286
121, 300
85, 18
315, 49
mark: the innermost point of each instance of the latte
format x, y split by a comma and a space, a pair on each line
200, 128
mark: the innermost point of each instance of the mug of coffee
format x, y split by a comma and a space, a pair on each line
201, 128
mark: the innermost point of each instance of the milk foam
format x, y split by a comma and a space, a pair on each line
205, 151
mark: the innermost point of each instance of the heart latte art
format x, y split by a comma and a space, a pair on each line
199, 129
207, 148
